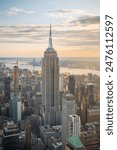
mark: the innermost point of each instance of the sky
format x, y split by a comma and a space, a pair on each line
24, 27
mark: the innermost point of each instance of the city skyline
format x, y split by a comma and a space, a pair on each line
24, 28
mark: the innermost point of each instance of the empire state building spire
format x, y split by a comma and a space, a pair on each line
50, 47
50, 38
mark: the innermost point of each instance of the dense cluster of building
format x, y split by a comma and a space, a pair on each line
48, 110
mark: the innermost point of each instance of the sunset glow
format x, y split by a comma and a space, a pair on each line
24, 29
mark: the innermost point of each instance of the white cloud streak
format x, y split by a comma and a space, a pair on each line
14, 11
64, 13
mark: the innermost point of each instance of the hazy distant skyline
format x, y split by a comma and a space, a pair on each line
24, 27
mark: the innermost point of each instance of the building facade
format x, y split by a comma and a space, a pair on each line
50, 85
16, 97
7, 90
68, 108
90, 94
74, 125
71, 85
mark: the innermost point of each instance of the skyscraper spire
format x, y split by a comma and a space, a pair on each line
50, 30
50, 38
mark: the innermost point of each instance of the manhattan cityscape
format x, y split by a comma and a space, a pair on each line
49, 76
49, 110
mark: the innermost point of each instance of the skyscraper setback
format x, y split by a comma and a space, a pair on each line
50, 85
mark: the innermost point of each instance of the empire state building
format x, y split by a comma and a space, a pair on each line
50, 85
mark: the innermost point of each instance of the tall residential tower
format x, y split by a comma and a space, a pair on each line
50, 85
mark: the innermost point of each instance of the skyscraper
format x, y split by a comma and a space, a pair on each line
68, 108
82, 92
71, 85
16, 79
16, 96
50, 85
28, 137
90, 94
74, 125
7, 81
83, 111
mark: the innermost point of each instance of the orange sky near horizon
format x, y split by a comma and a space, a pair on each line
35, 50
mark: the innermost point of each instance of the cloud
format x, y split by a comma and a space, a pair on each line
80, 32
16, 11
22, 34
86, 20
76, 38
63, 13
74, 19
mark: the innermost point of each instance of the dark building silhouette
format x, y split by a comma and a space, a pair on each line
90, 94
84, 111
7, 91
82, 91
71, 85
27, 145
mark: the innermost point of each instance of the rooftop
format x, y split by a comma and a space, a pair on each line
69, 97
75, 141
51, 130
73, 116
10, 128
